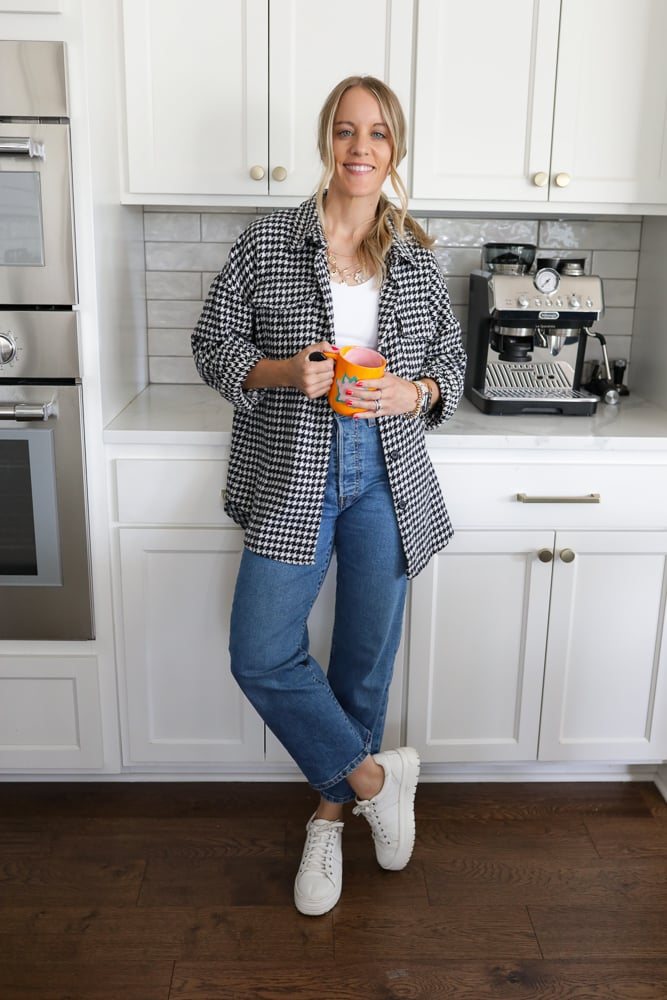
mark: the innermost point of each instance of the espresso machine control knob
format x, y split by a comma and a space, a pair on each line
574, 302
7, 348
523, 301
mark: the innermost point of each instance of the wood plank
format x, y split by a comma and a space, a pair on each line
630, 838
538, 800
636, 931
436, 933
566, 839
131, 934
58, 980
26, 879
491, 881
455, 980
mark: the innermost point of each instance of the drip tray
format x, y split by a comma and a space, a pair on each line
533, 387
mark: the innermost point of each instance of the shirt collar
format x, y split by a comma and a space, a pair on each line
308, 229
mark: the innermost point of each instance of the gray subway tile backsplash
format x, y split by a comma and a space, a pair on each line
184, 250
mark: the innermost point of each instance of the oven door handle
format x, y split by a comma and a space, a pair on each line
26, 411
21, 147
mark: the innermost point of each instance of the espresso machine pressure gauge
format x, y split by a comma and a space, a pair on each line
547, 280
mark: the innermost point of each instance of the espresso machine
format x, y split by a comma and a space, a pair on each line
527, 333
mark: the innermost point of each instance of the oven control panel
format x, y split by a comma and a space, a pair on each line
38, 344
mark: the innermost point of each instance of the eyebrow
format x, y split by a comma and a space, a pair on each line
344, 121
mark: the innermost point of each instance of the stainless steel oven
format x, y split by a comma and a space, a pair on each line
45, 588
36, 220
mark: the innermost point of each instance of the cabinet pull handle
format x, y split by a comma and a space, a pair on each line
587, 498
540, 179
562, 180
257, 173
567, 556
545, 555
279, 173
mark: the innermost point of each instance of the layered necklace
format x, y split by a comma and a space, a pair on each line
353, 274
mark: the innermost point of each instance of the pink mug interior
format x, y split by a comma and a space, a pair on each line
364, 357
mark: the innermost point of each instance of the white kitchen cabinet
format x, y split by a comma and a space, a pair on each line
538, 642
605, 678
541, 101
222, 99
178, 557
478, 625
50, 716
182, 705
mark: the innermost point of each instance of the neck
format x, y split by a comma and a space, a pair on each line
348, 220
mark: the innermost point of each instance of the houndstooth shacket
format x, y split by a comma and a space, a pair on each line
272, 299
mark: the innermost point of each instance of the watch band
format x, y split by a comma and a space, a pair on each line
423, 403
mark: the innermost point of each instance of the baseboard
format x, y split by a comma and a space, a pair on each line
660, 780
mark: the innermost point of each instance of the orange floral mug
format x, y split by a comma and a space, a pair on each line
353, 364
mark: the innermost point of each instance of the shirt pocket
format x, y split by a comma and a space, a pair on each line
287, 318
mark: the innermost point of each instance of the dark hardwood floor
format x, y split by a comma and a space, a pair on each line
184, 892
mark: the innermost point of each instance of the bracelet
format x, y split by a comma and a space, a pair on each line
418, 406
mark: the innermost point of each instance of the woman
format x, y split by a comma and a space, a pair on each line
346, 267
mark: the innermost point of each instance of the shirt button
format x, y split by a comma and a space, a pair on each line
393, 455
402, 504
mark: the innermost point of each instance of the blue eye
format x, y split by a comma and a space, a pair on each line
379, 135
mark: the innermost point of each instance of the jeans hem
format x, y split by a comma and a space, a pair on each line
323, 786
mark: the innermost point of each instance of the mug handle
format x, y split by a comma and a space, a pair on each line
322, 355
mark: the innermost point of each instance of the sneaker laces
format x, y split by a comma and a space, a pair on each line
369, 812
319, 847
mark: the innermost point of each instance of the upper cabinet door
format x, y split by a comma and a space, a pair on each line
223, 97
196, 84
312, 48
610, 128
484, 96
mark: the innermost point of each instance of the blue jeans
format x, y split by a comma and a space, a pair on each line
328, 722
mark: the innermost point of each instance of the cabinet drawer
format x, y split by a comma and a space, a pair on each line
171, 491
486, 495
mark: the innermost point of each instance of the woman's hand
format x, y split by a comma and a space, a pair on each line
382, 397
312, 378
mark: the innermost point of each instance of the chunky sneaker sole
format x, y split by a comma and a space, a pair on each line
391, 813
319, 881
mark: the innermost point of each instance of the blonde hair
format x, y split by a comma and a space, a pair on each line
375, 246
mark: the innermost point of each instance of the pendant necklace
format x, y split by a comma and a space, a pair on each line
346, 275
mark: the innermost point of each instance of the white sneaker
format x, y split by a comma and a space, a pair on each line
391, 813
319, 881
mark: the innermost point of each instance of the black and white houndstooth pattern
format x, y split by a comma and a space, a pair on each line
273, 298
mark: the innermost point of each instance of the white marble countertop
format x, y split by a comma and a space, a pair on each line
195, 414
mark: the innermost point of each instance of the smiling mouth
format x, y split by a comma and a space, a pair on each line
359, 168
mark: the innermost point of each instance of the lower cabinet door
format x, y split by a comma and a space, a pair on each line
182, 705
50, 715
478, 632
605, 689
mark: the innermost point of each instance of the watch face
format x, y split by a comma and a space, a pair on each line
547, 280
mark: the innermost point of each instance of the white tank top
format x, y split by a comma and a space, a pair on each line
356, 313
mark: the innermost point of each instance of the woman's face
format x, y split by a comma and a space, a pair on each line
362, 146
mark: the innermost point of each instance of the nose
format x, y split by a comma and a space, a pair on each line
360, 144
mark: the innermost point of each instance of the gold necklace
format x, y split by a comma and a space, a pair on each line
344, 274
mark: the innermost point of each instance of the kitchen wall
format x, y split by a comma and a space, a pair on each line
184, 249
